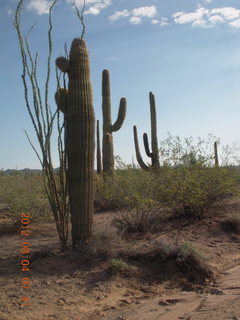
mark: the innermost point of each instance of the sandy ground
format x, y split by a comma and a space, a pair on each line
70, 286
221, 302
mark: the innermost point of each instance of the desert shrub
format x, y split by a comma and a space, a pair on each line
187, 181
104, 198
192, 262
101, 242
157, 250
164, 257
24, 194
188, 251
187, 151
192, 190
130, 188
118, 265
140, 220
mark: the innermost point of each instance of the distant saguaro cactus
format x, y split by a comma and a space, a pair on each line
216, 154
99, 158
154, 155
77, 105
108, 127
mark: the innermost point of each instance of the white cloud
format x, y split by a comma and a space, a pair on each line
148, 12
200, 23
155, 21
40, 6
227, 13
203, 17
119, 14
92, 6
98, 7
164, 21
196, 18
135, 20
216, 18
235, 23
79, 3
136, 14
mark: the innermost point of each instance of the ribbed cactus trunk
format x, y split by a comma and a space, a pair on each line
155, 152
108, 128
216, 154
154, 155
99, 158
80, 130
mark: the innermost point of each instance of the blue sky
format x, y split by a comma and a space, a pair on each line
186, 52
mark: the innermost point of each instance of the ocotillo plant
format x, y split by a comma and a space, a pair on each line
44, 118
99, 158
154, 155
216, 154
108, 127
77, 105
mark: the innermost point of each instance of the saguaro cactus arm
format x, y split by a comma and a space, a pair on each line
138, 154
61, 97
62, 64
146, 145
121, 115
155, 155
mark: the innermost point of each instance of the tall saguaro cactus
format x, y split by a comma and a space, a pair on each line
108, 127
99, 158
77, 104
154, 155
216, 154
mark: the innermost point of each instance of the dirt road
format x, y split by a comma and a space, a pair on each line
221, 302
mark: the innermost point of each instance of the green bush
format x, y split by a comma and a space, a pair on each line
130, 188
188, 250
118, 265
192, 190
24, 194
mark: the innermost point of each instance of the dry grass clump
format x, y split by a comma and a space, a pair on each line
193, 263
164, 261
140, 220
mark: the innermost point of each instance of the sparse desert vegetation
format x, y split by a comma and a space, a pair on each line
155, 232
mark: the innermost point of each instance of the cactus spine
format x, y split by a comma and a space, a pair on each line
77, 105
108, 127
99, 160
216, 154
154, 141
